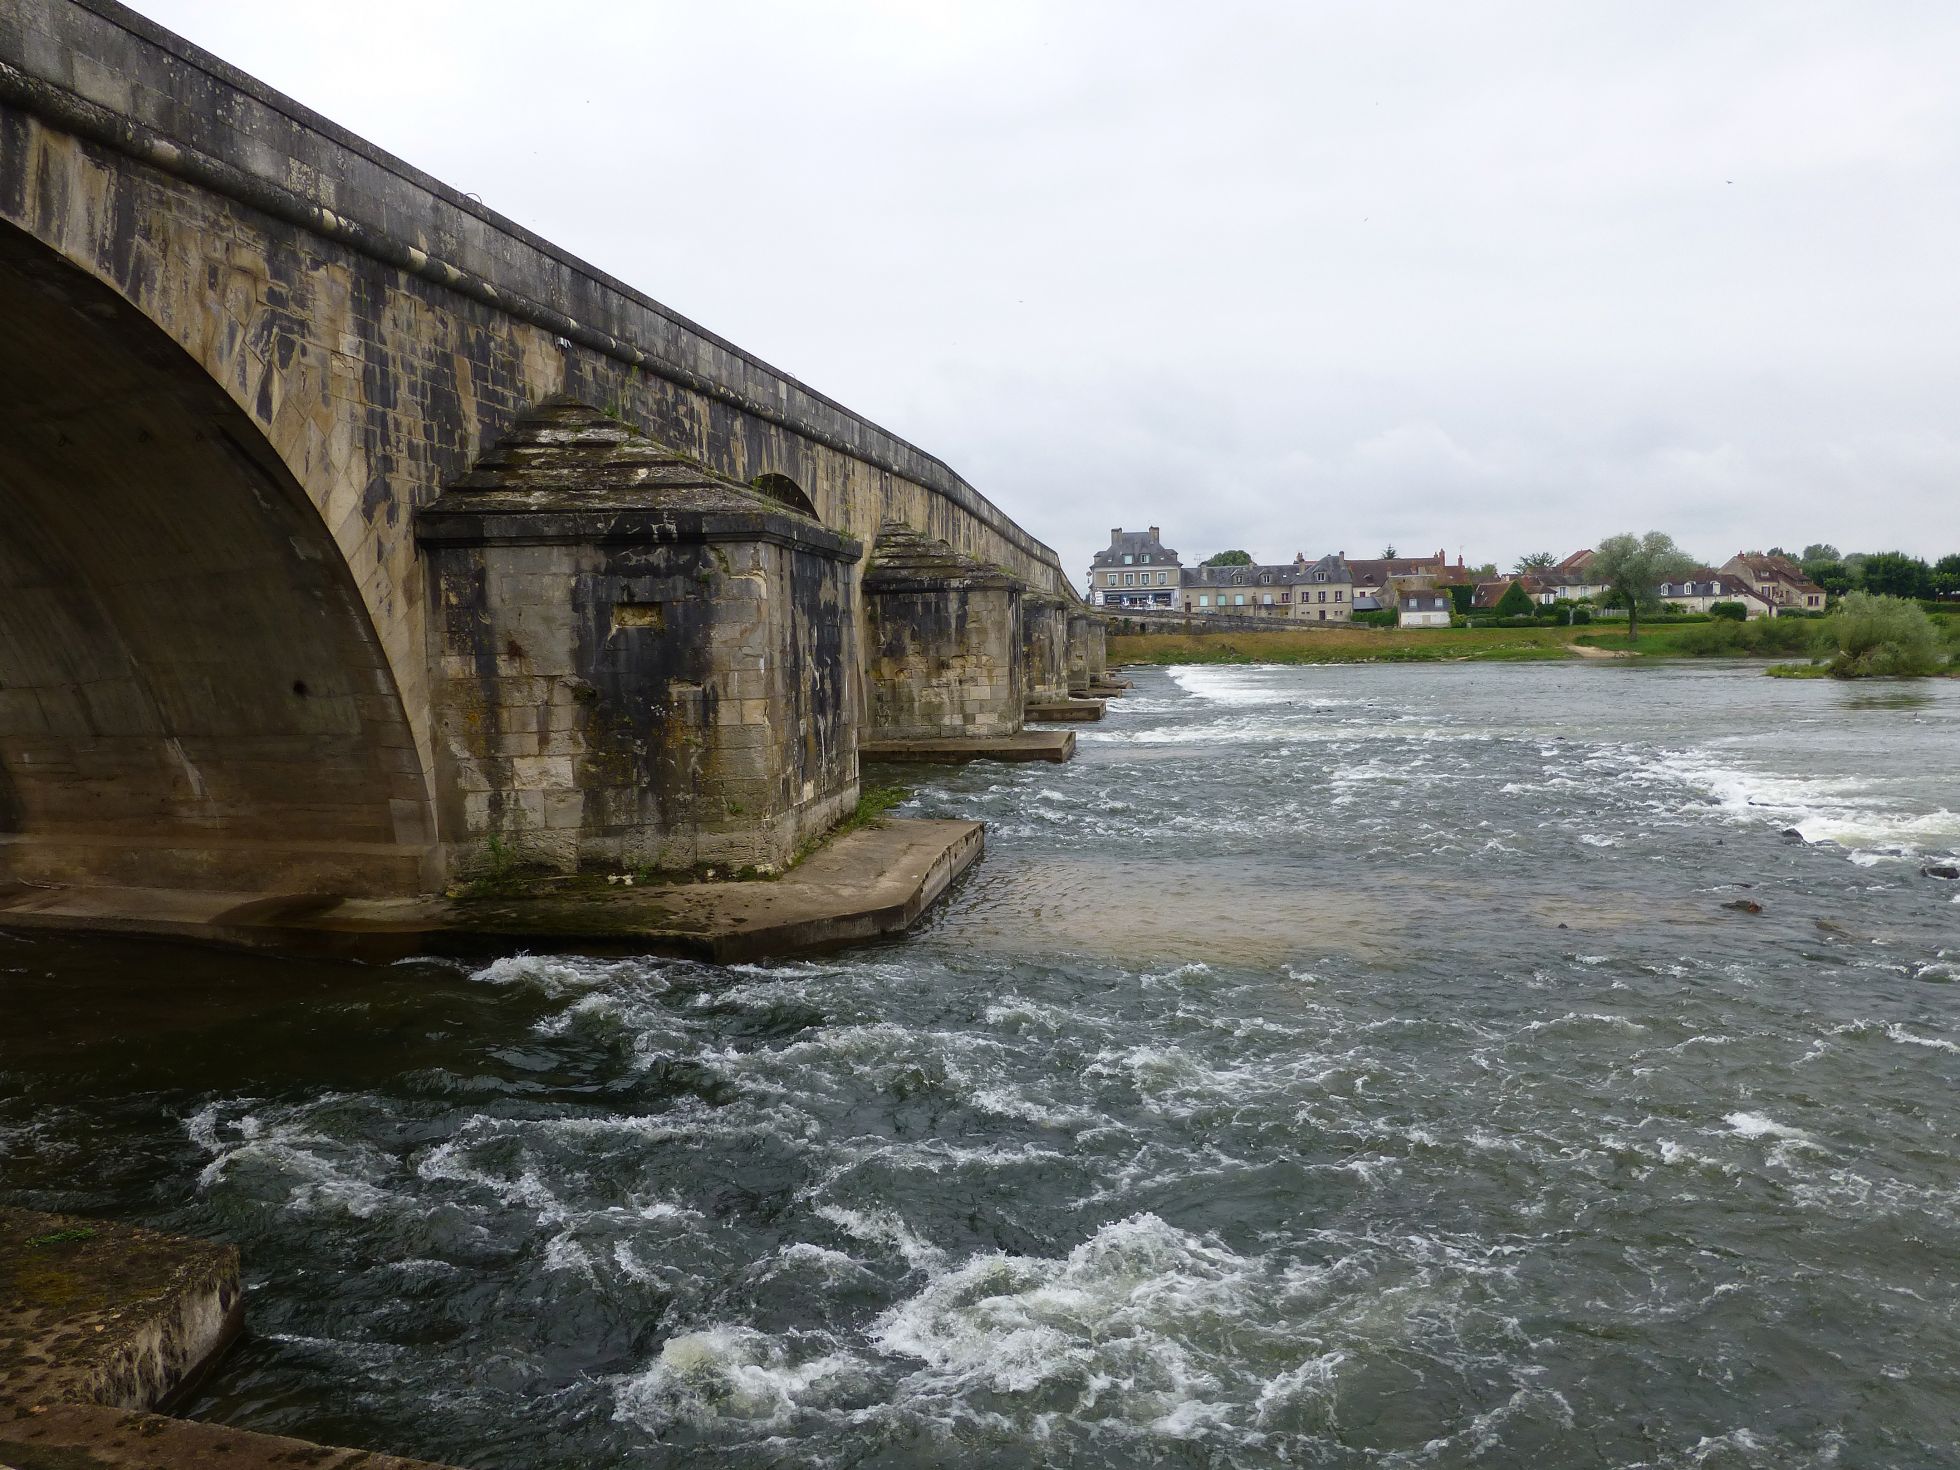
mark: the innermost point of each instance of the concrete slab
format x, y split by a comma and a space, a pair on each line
1065, 711
100, 1313
1029, 745
871, 882
86, 1437
100, 1321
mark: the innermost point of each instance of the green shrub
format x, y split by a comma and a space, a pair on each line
1515, 603
1880, 637
1734, 611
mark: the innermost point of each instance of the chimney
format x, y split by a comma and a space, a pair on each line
1155, 534
1114, 532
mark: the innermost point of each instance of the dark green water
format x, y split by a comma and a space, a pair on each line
1350, 1067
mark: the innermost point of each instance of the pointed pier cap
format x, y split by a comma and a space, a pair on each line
905, 560
567, 472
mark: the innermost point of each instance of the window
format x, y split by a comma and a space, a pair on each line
1145, 558
1320, 576
1238, 599
1286, 597
1129, 578
1337, 594
1204, 599
1112, 579
1163, 577
1323, 596
1127, 560
1266, 579
1266, 599
1238, 580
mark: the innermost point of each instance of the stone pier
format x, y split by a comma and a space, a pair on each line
642, 665
1088, 658
1044, 646
945, 666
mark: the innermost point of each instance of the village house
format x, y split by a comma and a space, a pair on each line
1703, 587
1571, 580
1380, 581
1317, 591
1423, 610
1777, 581
1137, 570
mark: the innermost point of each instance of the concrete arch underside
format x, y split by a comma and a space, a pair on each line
191, 691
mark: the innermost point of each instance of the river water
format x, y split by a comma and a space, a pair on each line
1330, 1066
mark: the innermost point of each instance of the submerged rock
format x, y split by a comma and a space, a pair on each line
1793, 833
1744, 906
1941, 870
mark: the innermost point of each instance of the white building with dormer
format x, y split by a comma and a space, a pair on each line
1138, 570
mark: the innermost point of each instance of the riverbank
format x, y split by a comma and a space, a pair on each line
1426, 645
1344, 646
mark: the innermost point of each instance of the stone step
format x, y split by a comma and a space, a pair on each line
1029, 745
1067, 711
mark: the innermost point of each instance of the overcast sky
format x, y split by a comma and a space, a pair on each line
1497, 277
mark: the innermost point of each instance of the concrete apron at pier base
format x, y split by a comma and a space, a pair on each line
1028, 745
100, 1322
1068, 711
872, 882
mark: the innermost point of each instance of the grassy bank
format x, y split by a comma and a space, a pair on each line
1345, 646
1781, 640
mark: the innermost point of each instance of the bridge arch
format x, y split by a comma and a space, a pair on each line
192, 693
782, 488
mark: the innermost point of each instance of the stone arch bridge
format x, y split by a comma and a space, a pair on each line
349, 531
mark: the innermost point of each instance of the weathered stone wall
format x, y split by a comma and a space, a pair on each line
640, 666
944, 662
1081, 626
688, 704
1044, 645
1096, 651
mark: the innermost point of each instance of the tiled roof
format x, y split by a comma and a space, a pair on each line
1135, 544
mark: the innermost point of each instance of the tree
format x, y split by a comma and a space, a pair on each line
1894, 574
1633, 568
1535, 561
1515, 603
1833, 576
1821, 551
1388, 552
1946, 576
1228, 559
